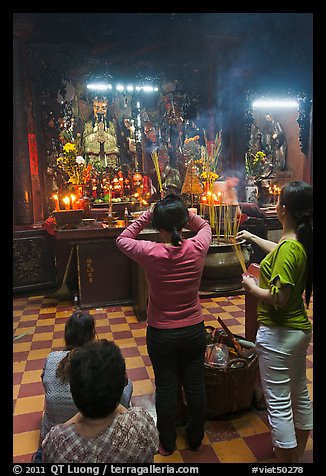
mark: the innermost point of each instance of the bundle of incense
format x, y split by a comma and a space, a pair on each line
239, 254
244, 353
157, 169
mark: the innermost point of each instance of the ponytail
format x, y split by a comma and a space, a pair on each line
62, 372
304, 234
176, 239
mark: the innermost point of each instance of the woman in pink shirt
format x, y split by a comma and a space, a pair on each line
176, 336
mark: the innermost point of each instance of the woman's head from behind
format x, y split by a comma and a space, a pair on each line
297, 197
171, 215
79, 329
97, 377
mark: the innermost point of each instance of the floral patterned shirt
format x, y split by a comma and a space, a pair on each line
131, 438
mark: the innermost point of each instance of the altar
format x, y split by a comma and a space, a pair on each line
97, 272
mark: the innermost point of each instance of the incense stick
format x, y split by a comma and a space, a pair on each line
157, 169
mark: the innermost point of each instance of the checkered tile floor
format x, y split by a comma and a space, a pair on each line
38, 329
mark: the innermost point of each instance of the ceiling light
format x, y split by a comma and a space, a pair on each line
267, 103
99, 86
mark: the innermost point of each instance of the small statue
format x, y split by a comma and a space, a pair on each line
171, 180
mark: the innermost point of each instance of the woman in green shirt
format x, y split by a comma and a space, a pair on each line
284, 331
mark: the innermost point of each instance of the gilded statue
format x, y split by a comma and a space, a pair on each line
99, 136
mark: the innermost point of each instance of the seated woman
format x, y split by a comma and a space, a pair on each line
103, 431
59, 405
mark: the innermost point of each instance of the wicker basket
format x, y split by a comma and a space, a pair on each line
230, 389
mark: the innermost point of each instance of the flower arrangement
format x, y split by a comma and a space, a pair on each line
209, 158
254, 163
74, 165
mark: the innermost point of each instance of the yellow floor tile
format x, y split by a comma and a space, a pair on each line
29, 405
142, 349
309, 446
114, 315
139, 332
233, 308
131, 319
249, 424
142, 387
45, 322
38, 354
237, 329
22, 347
58, 344
18, 314
310, 390
235, 451
105, 335
207, 305
19, 366
101, 322
181, 442
24, 331
15, 392
31, 376
119, 327
237, 301
134, 362
125, 343
25, 443
47, 310
174, 458
41, 336
63, 313
309, 374
150, 372
225, 315
29, 318
206, 312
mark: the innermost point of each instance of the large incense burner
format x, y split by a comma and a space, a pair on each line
222, 271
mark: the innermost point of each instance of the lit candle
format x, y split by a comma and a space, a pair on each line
56, 201
219, 197
66, 201
73, 199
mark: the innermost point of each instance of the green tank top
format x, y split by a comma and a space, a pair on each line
287, 262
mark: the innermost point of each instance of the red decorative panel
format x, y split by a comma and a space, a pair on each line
33, 157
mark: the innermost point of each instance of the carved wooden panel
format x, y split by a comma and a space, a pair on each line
33, 262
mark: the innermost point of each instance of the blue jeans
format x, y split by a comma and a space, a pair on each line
282, 365
177, 357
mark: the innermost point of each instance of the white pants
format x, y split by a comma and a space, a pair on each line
282, 365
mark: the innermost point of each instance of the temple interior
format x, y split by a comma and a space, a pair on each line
112, 112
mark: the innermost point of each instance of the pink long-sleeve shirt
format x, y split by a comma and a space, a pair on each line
173, 272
